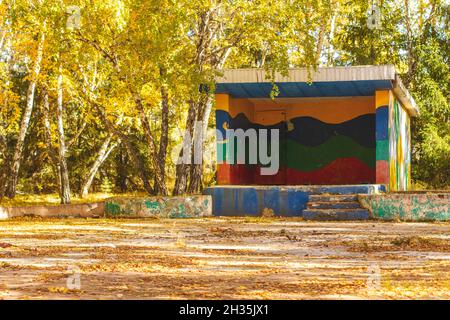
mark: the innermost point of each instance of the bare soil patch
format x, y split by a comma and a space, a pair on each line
223, 258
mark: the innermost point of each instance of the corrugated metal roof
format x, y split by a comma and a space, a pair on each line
322, 74
324, 81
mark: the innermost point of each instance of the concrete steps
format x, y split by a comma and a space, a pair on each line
336, 214
334, 207
333, 197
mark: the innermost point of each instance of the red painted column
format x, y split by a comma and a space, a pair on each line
223, 169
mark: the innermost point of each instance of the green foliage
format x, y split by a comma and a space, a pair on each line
414, 37
106, 186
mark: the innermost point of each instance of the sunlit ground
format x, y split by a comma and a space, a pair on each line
226, 258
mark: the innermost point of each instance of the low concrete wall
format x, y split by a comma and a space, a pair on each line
287, 201
408, 206
70, 210
162, 207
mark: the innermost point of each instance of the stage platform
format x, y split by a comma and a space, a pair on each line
312, 202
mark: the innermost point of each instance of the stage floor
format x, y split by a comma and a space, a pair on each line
290, 201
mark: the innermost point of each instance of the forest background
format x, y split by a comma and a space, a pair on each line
96, 95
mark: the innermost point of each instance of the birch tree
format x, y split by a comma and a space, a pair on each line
34, 74
106, 148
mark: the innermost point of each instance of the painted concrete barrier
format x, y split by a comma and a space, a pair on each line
161, 207
288, 201
408, 206
87, 210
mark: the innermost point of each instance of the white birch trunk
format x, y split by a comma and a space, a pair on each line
102, 155
18, 152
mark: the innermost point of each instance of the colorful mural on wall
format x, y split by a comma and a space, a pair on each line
322, 140
399, 147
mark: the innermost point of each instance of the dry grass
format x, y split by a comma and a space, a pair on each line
53, 199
